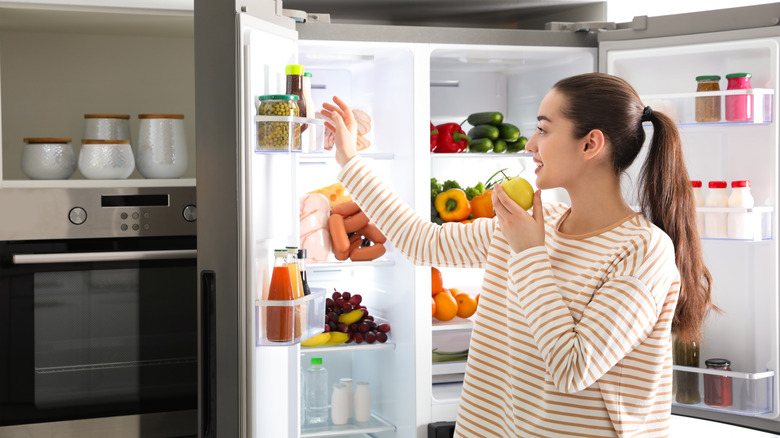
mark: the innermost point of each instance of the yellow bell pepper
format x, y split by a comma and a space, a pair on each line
482, 205
452, 205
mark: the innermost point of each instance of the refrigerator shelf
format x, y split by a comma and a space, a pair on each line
333, 265
759, 219
342, 348
480, 155
305, 315
751, 393
442, 368
377, 424
455, 323
329, 156
282, 134
681, 107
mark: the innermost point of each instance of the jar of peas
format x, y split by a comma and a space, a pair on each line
282, 135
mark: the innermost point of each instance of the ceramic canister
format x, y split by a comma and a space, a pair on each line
107, 126
106, 159
161, 149
48, 158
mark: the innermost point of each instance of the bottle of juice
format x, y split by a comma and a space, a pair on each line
304, 275
295, 279
279, 320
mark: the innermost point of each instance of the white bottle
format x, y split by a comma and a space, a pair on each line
741, 223
716, 223
350, 395
698, 200
338, 404
315, 389
362, 403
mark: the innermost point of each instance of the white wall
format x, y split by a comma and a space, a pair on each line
621, 11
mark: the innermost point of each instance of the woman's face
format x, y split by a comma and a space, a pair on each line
556, 151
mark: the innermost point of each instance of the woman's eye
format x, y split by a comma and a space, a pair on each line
539, 128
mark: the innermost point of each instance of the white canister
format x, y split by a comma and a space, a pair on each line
339, 403
106, 159
716, 223
48, 158
362, 402
161, 147
698, 200
350, 395
107, 126
742, 224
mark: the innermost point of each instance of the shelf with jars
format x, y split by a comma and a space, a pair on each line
718, 388
722, 107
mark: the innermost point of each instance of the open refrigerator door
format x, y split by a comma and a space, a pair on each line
727, 148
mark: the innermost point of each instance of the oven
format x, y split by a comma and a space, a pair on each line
98, 313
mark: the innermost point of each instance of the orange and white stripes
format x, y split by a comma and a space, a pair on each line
572, 339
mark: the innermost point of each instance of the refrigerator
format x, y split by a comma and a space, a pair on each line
405, 78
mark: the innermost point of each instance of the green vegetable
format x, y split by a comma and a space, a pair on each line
509, 132
486, 118
449, 356
450, 184
472, 192
499, 146
484, 131
516, 146
436, 188
481, 145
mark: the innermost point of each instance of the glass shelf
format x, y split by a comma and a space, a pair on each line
377, 424
275, 134
480, 155
759, 218
455, 323
328, 156
681, 107
342, 348
751, 393
334, 265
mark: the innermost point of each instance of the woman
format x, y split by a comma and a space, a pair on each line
578, 304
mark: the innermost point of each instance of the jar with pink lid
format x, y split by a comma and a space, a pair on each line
739, 107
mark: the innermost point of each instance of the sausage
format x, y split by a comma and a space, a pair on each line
355, 241
338, 236
355, 222
372, 233
346, 209
365, 253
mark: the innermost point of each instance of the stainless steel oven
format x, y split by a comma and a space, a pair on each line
98, 313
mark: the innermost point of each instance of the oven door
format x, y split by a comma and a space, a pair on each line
95, 328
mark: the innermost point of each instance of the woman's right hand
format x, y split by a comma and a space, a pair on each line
343, 123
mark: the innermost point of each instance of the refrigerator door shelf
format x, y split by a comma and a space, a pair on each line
681, 107
377, 424
760, 219
308, 314
751, 392
283, 134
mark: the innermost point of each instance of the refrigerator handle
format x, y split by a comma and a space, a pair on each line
208, 336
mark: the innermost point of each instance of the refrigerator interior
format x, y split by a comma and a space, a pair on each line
745, 278
377, 79
60, 64
467, 79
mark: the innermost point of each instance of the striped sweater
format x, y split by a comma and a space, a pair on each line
572, 339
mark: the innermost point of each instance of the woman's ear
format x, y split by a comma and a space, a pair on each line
594, 144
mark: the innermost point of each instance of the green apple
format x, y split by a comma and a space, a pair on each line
520, 191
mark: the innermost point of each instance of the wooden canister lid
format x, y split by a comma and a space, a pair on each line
106, 116
160, 116
33, 140
89, 141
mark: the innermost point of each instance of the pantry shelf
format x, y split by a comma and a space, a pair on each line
377, 424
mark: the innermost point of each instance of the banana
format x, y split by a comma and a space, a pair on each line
337, 338
351, 317
316, 340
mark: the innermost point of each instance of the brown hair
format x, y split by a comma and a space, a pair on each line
611, 105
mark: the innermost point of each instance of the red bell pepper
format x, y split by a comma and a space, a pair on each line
452, 139
434, 137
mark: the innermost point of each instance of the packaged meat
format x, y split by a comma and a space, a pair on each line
315, 237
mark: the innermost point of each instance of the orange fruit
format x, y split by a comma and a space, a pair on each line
437, 283
446, 306
467, 304
433, 307
454, 291
477, 299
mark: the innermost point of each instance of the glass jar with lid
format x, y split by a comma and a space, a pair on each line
717, 389
708, 107
739, 107
686, 383
282, 135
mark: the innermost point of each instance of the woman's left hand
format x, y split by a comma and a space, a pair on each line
521, 229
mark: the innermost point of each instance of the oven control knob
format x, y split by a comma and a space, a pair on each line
190, 213
77, 215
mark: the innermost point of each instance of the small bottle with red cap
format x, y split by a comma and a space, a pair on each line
716, 223
698, 200
740, 222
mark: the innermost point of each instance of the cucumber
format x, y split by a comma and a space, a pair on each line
509, 132
484, 131
516, 146
486, 118
481, 145
499, 146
